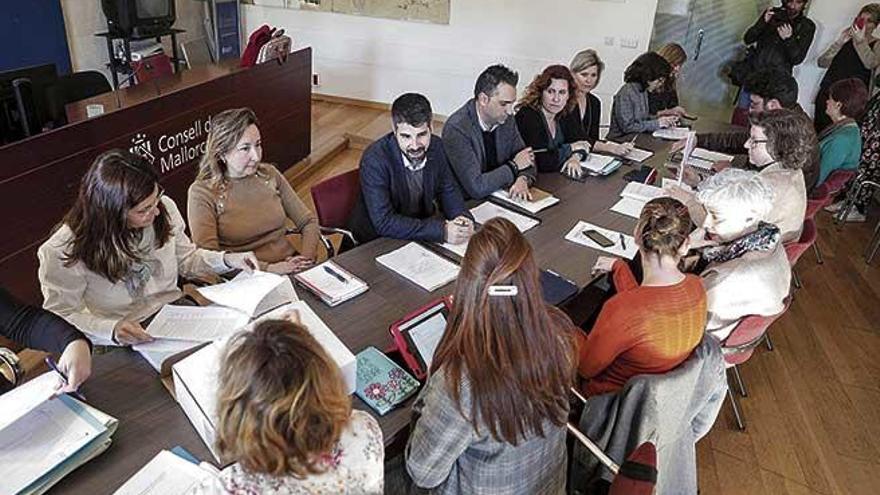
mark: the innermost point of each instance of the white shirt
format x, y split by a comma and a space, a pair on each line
414, 167
94, 305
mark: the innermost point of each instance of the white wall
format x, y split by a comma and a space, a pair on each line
378, 59
84, 18
830, 16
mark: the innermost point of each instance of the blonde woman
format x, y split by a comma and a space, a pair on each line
285, 420
238, 203
665, 101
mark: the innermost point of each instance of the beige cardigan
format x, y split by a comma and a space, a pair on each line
757, 283
94, 304
251, 215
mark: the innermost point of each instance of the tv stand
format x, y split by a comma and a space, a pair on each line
123, 66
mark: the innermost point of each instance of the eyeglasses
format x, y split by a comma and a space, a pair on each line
142, 212
752, 142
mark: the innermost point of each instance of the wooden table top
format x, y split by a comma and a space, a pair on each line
126, 387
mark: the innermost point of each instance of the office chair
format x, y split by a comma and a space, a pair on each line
23, 90
74, 87
334, 200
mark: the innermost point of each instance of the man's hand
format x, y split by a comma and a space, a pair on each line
524, 159
130, 332
581, 145
519, 191
459, 230
847, 33
76, 364
785, 31
768, 14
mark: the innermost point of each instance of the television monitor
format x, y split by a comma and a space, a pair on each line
138, 17
40, 78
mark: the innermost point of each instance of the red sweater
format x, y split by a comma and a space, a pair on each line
641, 330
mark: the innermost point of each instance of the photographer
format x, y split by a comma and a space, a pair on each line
781, 38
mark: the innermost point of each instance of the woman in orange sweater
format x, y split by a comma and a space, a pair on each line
652, 327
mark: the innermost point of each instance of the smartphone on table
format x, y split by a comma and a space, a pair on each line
597, 237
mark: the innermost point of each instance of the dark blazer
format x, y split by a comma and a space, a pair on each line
384, 194
463, 142
34, 327
583, 129
534, 131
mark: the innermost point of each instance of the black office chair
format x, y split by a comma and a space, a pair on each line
73, 87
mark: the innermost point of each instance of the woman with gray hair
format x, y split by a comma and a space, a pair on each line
747, 272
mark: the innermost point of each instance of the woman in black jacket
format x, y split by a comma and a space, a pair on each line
37, 328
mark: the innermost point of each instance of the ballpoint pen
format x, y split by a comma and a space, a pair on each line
335, 274
51, 364
622, 242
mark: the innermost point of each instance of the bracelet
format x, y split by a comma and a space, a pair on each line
581, 154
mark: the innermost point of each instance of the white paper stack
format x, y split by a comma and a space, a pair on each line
165, 474
638, 155
251, 293
597, 164
626, 248
44, 439
672, 133
419, 265
196, 376
487, 211
331, 283
540, 200
642, 192
705, 159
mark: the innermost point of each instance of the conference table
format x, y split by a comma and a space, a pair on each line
126, 387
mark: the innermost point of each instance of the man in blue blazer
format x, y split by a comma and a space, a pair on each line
402, 174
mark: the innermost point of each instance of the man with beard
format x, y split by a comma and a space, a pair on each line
401, 175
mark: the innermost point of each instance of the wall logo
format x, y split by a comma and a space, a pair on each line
140, 145
175, 148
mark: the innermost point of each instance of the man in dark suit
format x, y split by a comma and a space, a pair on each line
402, 174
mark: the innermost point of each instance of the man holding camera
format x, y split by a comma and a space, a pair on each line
781, 37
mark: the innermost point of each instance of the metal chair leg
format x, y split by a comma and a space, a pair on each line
873, 245
768, 342
740, 420
739, 381
796, 278
819, 258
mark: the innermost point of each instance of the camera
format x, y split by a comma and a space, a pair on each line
780, 17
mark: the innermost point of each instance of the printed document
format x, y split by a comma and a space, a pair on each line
419, 265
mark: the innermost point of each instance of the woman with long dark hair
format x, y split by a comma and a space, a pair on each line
630, 112
114, 260
494, 410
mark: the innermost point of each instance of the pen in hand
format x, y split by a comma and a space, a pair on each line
51, 364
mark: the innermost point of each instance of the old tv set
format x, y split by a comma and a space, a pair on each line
138, 17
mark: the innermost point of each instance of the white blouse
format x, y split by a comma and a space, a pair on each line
355, 467
94, 305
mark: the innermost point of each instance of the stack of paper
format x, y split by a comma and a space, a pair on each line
487, 211
44, 439
426, 269
600, 164
540, 200
251, 293
196, 376
633, 198
638, 155
194, 324
165, 474
331, 283
672, 133
705, 159
624, 245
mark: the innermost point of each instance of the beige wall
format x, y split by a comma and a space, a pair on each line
84, 18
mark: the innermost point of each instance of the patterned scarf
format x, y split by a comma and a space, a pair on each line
764, 238
142, 269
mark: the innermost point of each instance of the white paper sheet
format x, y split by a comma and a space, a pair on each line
641, 192
487, 211
596, 163
419, 265
165, 474
672, 133
712, 156
458, 249
638, 155
196, 323
282, 294
245, 292
667, 183
576, 235
36, 443
629, 207
165, 346
22, 400
539, 202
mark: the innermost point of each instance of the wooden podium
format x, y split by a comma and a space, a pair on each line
164, 120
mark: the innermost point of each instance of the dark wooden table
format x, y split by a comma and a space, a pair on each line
126, 387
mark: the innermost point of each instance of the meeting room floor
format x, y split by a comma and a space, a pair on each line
813, 405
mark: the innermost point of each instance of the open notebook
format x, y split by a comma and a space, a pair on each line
44, 438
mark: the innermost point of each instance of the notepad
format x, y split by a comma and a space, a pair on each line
46, 441
672, 133
576, 235
323, 280
247, 291
196, 323
420, 266
165, 474
641, 192
540, 200
638, 155
629, 207
597, 164
487, 211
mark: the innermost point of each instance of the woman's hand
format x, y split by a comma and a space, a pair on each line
128, 332
572, 168
699, 239
242, 261
668, 121
581, 145
603, 265
858, 34
621, 149
519, 191
292, 264
76, 364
